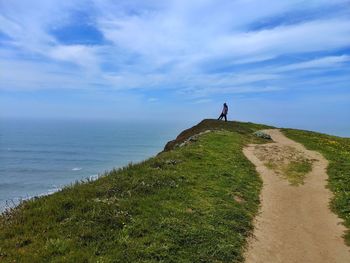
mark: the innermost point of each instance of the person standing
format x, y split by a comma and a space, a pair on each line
224, 112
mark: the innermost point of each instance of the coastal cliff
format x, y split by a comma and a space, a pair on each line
193, 202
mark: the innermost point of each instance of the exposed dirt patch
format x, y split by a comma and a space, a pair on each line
285, 160
295, 224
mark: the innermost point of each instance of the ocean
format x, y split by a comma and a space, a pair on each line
39, 157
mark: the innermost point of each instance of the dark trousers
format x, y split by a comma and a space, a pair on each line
223, 116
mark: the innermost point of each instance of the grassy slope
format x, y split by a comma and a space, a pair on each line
337, 151
192, 204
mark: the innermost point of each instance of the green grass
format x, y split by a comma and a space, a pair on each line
296, 171
337, 151
191, 204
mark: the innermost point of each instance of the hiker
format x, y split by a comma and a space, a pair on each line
224, 112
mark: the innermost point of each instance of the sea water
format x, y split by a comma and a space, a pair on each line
41, 156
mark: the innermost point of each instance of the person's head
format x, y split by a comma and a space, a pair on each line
225, 104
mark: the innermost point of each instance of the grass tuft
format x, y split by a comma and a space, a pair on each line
296, 171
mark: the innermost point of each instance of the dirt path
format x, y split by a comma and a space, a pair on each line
295, 223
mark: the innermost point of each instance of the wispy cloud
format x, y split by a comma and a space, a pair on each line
197, 48
327, 63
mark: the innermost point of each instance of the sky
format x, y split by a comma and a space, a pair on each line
285, 63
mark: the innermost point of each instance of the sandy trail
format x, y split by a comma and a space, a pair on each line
295, 223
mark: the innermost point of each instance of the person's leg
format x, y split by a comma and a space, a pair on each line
225, 117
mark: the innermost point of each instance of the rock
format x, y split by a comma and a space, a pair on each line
171, 162
193, 139
263, 135
183, 140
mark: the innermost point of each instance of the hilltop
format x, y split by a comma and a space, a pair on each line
193, 202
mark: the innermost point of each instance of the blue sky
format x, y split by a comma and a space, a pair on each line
280, 62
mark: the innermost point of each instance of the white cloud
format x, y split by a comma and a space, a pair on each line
36, 75
203, 92
79, 54
195, 31
168, 44
323, 63
320, 35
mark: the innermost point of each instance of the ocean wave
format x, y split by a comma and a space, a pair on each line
52, 190
77, 169
13, 202
94, 177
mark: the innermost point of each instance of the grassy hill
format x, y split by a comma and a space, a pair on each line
193, 202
